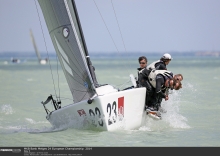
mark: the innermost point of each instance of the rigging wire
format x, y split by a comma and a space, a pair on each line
105, 24
118, 26
58, 78
119, 30
64, 98
119, 86
109, 31
57, 56
45, 47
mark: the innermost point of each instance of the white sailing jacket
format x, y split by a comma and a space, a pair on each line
154, 73
152, 65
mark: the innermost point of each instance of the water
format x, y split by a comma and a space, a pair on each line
192, 117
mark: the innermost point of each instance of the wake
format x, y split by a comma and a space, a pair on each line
172, 119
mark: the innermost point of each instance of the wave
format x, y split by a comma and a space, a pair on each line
172, 119
6, 109
28, 129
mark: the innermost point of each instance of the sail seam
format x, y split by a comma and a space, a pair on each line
60, 50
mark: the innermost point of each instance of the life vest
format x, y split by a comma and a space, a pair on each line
152, 65
143, 78
154, 73
139, 71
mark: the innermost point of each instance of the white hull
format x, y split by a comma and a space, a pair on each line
109, 111
43, 62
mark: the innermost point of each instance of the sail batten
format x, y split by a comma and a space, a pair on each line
65, 32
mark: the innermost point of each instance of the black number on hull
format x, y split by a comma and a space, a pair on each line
110, 111
97, 110
92, 114
98, 113
111, 108
114, 108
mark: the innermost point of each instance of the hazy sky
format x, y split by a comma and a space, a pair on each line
146, 25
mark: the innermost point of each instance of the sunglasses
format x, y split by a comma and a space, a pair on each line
177, 79
142, 62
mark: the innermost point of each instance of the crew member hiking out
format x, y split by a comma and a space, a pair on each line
161, 81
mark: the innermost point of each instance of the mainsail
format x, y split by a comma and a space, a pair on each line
65, 31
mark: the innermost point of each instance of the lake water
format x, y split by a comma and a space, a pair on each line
192, 118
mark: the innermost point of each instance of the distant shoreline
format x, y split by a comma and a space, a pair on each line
113, 54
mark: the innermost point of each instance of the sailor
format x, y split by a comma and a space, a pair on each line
161, 81
161, 64
178, 77
142, 80
142, 72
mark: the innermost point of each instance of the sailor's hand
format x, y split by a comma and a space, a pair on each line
166, 98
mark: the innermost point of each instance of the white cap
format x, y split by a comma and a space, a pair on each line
167, 56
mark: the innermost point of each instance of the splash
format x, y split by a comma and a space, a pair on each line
6, 109
20, 129
44, 129
31, 121
173, 116
30, 126
172, 119
188, 86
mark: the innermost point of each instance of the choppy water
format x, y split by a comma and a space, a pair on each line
192, 117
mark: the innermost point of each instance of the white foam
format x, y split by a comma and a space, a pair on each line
172, 119
29, 79
34, 122
173, 116
6, 109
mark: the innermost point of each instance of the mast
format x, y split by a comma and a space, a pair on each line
90, 66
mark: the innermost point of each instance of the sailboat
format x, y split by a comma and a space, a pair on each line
96, 106
40, 60
15, 60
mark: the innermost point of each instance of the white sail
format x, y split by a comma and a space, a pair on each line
65, 31
35, 46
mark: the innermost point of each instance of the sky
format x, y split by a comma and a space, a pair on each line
129, 25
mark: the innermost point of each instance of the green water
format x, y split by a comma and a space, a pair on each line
192, 119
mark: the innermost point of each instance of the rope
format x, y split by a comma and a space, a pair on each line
64, 98
45, 47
